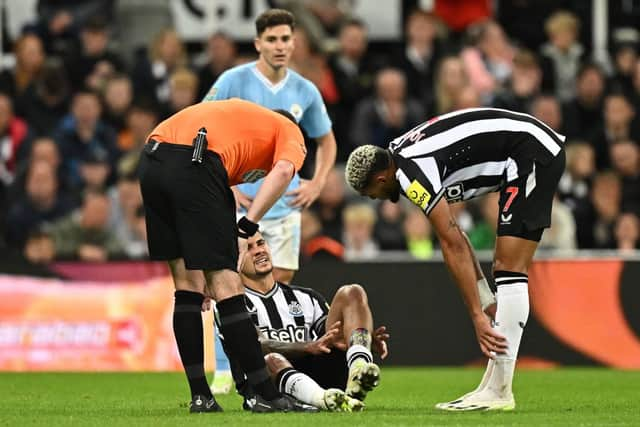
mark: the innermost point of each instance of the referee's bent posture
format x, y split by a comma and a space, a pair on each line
190, 161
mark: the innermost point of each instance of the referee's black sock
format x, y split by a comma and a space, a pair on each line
187, 327
241, 340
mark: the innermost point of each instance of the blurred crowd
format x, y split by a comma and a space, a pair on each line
75, 112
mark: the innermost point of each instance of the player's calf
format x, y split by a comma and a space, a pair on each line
364, 375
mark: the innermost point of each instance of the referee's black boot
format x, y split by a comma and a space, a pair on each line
283, 403
200, 403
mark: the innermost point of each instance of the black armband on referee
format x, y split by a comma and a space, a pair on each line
246, 228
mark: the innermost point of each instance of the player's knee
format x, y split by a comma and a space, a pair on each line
354, 294
190, 283
515, 266
225, 284
276, 362
186, 280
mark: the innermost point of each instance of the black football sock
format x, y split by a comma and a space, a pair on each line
187, 327
241, 341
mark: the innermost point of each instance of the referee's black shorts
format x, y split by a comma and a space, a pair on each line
525, 203
189, 208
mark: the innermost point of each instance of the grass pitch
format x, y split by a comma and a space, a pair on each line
561, 397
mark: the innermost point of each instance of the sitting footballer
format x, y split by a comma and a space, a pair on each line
319, 354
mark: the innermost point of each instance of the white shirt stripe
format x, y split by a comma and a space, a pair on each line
473, 171
404, 180
524, 115
479, 191
512, 170
429, 167
531, 182
465, 130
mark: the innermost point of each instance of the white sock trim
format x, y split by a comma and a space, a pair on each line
358, 352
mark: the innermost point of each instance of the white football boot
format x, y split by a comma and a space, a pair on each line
481, 386
363, 377
336, 400
497, 393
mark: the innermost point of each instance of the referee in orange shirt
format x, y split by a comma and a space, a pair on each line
186, 170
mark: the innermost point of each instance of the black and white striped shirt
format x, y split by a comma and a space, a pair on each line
470, 152
287, 313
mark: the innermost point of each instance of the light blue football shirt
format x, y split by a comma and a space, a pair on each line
294, 94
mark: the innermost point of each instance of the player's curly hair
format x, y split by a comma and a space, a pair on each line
363, 162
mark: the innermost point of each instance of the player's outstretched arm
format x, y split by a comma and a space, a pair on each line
290, 350
476, 263
460, 260
274, 185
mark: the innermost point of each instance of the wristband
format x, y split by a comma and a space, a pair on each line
246, 228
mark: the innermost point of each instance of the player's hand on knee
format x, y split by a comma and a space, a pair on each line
305, 194
242, 200
337, 336
379, 340
491, 342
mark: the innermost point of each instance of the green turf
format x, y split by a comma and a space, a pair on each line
563, 397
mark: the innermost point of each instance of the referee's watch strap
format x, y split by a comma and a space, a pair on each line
246, 228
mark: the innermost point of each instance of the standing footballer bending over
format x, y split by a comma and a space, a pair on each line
459, 156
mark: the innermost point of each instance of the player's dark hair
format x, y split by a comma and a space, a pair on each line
382, 161
287, 114
274, 17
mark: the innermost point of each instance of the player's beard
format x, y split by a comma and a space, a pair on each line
263, 271
394, 195
277, 66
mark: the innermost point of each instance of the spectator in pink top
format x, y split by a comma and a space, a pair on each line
488, 59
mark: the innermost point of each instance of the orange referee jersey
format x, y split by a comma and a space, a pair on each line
249, 138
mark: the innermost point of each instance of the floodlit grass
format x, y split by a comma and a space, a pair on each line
560, 397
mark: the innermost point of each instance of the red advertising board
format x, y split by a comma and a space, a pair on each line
48, 324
